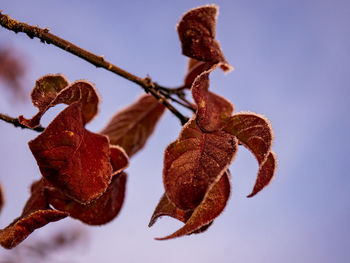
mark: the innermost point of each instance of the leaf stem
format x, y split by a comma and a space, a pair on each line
15, 122
99, 61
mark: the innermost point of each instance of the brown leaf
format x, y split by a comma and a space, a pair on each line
99, 211
36, 214
119, 159
254, 132
72, 158
51, 90
22, 227
213, 111
131, 127
265, 174
194, 69
212, 206
194, 162
167, 208
196, 31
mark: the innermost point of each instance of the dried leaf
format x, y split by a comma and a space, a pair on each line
265, 174
167, 208
194, 162
99, 211
212, 205
196, 31
22, 227
213, 111
72, 158
51, 90
254, 132
194, 69
119, 159
36, 214
131, 127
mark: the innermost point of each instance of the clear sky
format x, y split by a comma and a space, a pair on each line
291, 62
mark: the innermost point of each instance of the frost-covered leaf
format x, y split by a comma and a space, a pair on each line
254, 132
194, 69
72, 158
167, 208
119, 159
213, 111
131, 127
36, 214
196, 31
51, 90
212, 205
99, 211
265, 174
194, 162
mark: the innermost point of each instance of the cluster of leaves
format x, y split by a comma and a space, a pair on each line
195, 173
83, 172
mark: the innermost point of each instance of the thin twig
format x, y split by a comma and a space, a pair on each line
99, 61
15, 122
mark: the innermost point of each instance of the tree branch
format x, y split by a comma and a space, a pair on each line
99, 61
15, 122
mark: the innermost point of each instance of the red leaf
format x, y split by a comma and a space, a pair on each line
213, 111
195, 68
265, 174
22, 227
36, 214
51, 90
254, 131
212, 205
131, 127
194, 162
167, 208
119, 159
73, 159
197, 35
99, 211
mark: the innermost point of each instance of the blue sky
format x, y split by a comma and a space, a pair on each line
291, 62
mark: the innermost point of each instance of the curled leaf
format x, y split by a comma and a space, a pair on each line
99, 211
212, 206
119, 159
195, 68
22, 227
167, 208
254, 132
196, 31
51, 90
72, 158
213, 111
131, 127
265, 174
194, 162
36, 214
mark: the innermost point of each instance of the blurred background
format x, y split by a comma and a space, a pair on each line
291, 62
